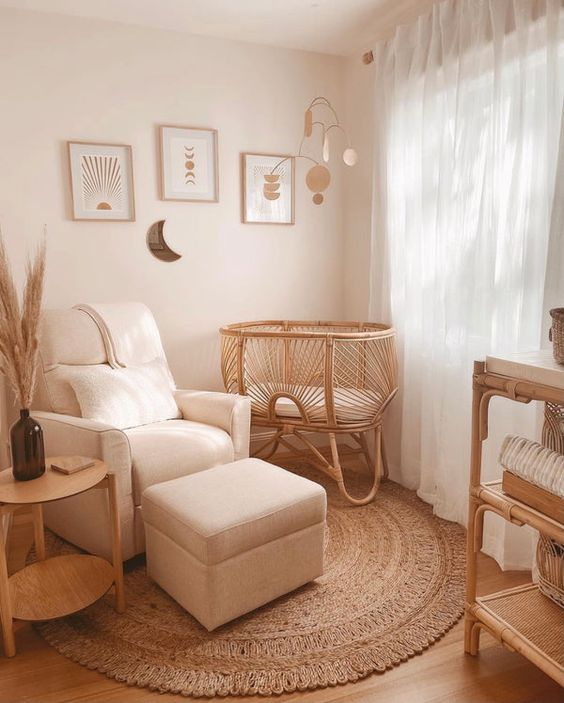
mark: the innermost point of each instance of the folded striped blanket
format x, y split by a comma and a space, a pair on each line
534, 463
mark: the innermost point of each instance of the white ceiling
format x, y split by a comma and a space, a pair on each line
327, 26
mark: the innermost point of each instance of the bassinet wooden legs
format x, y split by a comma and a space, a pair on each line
275, 441
360, 438
376, 466
377, 463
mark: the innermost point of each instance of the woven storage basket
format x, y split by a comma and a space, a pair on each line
556, 334
550, 563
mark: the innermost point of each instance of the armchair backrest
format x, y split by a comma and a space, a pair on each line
72, 338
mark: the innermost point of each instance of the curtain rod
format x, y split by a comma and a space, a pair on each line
367, 58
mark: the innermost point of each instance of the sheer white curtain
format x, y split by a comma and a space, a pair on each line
469, 110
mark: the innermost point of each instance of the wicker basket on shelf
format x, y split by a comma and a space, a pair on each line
550, 563
556, 334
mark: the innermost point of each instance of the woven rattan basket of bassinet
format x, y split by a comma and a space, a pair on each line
331, 377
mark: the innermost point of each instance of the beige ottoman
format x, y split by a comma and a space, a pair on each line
224, 541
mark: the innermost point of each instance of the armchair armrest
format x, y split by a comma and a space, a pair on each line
65, 434
83, 519
227, 411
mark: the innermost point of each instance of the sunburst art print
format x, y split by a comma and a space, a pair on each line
189, 164
102, 181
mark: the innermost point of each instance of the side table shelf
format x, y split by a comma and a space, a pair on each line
522, 618
54, 587
59, 586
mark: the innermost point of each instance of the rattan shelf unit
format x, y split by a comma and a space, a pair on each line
522, 619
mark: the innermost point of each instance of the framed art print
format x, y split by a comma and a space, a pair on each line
189, 164
101, 181
267, 189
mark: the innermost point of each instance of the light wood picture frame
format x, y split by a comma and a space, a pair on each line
101, 179
255, 207
189, 163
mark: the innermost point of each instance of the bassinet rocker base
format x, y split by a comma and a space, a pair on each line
332, 466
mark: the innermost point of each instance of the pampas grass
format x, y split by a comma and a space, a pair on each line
19, 324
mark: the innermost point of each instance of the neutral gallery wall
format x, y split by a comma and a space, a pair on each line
65, 79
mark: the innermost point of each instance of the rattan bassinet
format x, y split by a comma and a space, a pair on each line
332, 377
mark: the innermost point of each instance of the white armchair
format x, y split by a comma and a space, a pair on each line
210, 429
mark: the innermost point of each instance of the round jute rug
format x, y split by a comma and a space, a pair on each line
393, 585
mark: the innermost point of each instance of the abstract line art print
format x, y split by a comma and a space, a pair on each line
267, 184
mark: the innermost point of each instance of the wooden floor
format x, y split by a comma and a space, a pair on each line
443, 674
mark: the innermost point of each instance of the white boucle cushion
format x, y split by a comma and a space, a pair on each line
534, 463
129, 397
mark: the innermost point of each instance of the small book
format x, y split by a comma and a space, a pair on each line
72, 464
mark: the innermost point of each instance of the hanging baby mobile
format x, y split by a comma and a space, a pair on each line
318, 176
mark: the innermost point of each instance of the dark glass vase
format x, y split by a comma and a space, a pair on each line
28, 452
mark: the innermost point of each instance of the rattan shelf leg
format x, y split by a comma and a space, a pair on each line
472, 630
471, 574
468, 625
479, 527
479, 408
475, 638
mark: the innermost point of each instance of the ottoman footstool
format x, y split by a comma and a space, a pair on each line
225, 541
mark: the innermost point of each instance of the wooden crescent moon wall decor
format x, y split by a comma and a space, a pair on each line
157, 244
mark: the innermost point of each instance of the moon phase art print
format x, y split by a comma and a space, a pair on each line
188, 164
157, 244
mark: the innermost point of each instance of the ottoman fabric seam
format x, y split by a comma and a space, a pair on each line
237, 524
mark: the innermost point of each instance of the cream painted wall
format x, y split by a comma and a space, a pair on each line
359, 118
360, 214
65, 78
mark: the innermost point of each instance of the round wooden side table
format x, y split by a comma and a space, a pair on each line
58, 586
